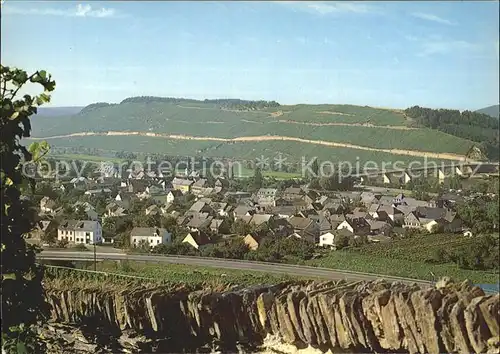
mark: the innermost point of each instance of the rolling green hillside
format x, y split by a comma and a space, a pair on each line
360, 128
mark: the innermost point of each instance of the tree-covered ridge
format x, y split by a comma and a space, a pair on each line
94, 106
224, 103
474, 126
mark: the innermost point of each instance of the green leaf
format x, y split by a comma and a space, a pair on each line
42, 74
21, 348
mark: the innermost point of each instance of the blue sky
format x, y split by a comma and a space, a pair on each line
387, 54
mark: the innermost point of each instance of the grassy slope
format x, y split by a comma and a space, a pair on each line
293, 151
407, 258
199, 121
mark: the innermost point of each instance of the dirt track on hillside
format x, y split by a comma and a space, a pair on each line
416, 153
368, 125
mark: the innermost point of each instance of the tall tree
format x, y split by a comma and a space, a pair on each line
23, 300
257, 178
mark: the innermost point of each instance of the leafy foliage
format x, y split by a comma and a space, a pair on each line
22, 293
474, 126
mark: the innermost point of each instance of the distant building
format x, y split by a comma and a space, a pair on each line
197, 239
183, 185
80, 231
151, 236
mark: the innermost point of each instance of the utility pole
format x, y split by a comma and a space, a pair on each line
95, 255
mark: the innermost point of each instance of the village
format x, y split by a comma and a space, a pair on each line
189, 213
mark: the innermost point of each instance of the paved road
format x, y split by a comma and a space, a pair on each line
301, 271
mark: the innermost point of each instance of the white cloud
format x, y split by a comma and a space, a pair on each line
328, 7
432, 17
436, 44
80, 11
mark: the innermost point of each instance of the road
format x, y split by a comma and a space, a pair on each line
300, 271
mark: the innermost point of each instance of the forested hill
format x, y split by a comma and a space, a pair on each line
493, 111
224, 103
474, 126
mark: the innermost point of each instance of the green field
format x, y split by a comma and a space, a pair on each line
407, 258
203, 120
82, 157
292, 151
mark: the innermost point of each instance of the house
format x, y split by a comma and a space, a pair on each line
258, 219
253, 240
368, 198
327, 239
183, 185
282, 202
153, 210
310, 197
386, 213
87, 208
97, 191
198, 239
79, 182
309, 213
283, 211
41, 228
151, 236
167, 208
126, 198
379, 227
174, 195
358, 226
293, 193
47, 205
332, 208
201, 207
222, 183
238, 196
199, 222
80, 231
392, 178
114, 209
325, 224
242, 210
267, 196
198, 186
219, 226
431, 218
305, 228
222, 209
323, 200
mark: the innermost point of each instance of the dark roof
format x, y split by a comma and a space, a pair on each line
431, 213
199, 222
300, 223
147, 231
176, 193
77, 225
200, 237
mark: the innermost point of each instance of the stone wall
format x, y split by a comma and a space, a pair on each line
357, 317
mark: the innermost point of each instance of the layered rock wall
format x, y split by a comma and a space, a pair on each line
374, 316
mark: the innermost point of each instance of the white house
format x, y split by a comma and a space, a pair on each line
173, 195
327, 239
80, 231
152, 236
